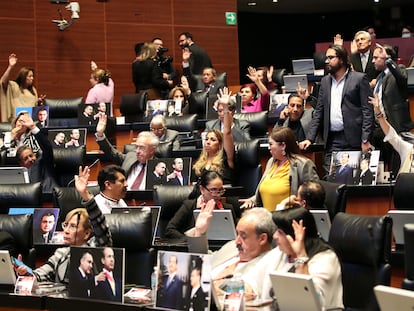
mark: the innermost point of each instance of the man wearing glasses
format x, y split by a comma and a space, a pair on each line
343, 112
159, 128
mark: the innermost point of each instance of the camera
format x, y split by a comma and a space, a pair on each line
163, 60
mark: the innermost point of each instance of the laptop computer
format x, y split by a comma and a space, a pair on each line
304, 66
399, 219
155, 213
7, 274
295, 292
291, 82
391, 298
410, 76
222, 227
323, 222
13, 175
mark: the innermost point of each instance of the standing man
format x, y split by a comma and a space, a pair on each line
164, 62
198, 59
392, 91
74, 139
84, 282
158, 175
111, 288
178, 177
364, 175
198, 298
342, 112
344, 172
170, 294
59, 141
45, 233
134, 162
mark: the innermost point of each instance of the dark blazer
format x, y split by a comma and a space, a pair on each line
395, 98
240, 129
370, 70
344, 176
170, 296
199, 59
199, 301
176, 181
81, 286
183, 219
104, 291
366, 179
358, 113
38, 237
146, 75
157, 180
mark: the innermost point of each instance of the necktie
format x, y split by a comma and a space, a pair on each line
379, 82
111, 281
138, 180
364, 61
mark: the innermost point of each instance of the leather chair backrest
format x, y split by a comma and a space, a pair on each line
249, 169
67, 162
133, 231
67, 199
185, 123
170, 198
21, 228
335, 197
277, 76
63, 112
198, 84
20, 195
408, 281
133, 106
257, 121
197, 104
404, 191
363, 244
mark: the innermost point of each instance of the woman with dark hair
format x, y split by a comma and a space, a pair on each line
21, 135
285, 171
305, 252
211, 188
249, 92
180, 93
18, 93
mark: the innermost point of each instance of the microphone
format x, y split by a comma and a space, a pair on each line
90, 166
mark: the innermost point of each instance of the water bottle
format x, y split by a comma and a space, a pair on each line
154, 283
234, 290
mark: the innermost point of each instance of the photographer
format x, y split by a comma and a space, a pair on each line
164, 62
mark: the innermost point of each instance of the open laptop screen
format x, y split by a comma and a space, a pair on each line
13, 175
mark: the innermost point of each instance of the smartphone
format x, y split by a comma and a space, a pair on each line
19, 263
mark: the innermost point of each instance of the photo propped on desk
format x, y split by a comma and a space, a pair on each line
183, 281
278, 102
354, 167
97, 273
168, 171
67, 138
44, 226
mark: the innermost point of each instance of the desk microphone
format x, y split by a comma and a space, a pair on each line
90, 166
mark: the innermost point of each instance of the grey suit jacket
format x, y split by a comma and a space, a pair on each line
357, 112
395, 98
240, 129
171, 135
301, 169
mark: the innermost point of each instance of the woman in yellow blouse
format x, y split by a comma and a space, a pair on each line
285, 171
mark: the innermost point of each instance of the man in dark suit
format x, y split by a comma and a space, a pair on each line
240, 128
42, 118
178, 177
198, 298
344, 173
159, 128
59, 140
158, 177
342, 112
198, 58
82, 282
361, 60
111, 288
134, 162
45, 232
392, 93
170, 293
364, 175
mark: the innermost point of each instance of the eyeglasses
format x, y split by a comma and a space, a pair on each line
156, 129
216, 191
330, 57
72, 227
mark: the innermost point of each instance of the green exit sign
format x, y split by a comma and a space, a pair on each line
231, 18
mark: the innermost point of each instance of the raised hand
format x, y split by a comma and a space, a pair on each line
81, 182
101, 126
12, 60
252, 74
224, 96
203, 220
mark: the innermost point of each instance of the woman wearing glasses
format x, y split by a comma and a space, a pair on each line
285, 171
80, 228
210, 185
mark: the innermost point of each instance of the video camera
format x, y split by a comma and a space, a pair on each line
163, 60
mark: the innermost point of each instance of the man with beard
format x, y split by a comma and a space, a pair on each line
342, 112
113, 188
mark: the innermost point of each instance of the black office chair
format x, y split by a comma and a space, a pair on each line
67, 162
408, 281
133, 107
63, 112
335, 197
197, 102
170, 198
197, 83
20, 195
404, 191
363, 244
257, 121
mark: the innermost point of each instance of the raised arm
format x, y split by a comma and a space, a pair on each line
228, 142
6, 75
